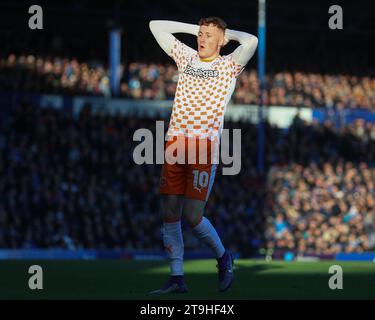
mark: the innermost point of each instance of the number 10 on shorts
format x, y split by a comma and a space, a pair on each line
200, 179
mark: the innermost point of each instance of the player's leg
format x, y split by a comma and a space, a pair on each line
201, 226
201, 175
200, 181
173, 244
172, 232
193, 210
171, 188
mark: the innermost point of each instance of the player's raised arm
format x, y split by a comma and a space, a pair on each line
248, 45
163, 30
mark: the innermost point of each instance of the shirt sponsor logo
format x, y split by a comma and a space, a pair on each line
201, 73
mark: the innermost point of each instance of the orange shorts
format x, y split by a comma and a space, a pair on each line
193, 173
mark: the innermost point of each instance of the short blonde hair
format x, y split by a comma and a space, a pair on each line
216, 21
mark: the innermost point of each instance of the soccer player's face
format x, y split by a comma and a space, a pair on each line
210, 39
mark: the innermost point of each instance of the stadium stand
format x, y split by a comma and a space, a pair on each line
158, 82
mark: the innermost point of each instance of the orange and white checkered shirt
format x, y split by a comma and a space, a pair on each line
203, 91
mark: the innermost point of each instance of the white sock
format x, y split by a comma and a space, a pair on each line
174, 246
206, 232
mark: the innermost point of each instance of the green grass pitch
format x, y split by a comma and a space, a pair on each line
122, 279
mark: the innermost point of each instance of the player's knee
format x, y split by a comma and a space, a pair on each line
170, 218
193, 219
171, 209
171, 214
193, 212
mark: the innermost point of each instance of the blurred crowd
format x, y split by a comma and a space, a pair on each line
53, 75
70, 181
323, 201
157, 81
312, 90
322, 209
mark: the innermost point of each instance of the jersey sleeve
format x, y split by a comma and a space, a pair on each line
181, 54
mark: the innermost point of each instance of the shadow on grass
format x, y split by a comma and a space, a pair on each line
132, 280
264, 281
256, 268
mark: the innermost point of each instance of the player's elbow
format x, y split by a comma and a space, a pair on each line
255, 40
154, 25
252, 42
